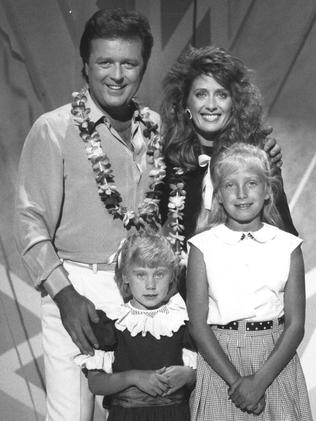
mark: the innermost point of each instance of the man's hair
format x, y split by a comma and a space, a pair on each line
149, 249
114, 24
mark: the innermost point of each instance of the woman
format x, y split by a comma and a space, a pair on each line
209, 101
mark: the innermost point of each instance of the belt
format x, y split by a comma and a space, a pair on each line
95, 267
253, 326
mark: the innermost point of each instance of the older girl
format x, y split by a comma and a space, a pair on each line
246, 299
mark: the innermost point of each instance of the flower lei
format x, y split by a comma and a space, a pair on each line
176, 204
148, 210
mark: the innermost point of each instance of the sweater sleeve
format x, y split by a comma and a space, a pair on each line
284, 211
38, 206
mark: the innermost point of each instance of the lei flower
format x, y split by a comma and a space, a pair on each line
148, 211
175, 207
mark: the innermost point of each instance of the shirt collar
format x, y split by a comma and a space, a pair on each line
96, 113
137, 138
263, 235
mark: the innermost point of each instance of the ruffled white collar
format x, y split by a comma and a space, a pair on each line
163, 321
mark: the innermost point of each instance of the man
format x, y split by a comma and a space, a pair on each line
64, 232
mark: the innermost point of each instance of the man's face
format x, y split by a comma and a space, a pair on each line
114, 70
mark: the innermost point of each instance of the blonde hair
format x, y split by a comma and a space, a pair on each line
238, 155
149, 249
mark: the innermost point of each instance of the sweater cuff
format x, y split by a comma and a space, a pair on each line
56, 281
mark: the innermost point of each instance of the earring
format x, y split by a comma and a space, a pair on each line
188, 113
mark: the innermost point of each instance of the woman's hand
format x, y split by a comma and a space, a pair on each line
178, 376
274, 151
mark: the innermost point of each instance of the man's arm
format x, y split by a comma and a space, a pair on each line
38, 203
37, 211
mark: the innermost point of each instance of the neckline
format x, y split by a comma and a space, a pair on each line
266, 233
147, 310
163, 321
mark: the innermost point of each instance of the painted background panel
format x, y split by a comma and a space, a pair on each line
40, 67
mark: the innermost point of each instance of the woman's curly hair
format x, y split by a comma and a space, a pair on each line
181, 145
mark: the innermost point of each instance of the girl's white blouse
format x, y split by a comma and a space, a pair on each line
246, 277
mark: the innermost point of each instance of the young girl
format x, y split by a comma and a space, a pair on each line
140, 370
246, 299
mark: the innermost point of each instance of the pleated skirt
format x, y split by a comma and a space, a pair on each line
286, 398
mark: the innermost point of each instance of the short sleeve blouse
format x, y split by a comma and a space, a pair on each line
246, 272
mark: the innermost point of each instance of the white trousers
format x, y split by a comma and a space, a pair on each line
68, 396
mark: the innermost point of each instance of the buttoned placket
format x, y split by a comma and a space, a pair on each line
138, 167
246, 242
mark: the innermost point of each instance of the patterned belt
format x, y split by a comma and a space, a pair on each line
252, 326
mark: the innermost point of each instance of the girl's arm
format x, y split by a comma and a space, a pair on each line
149, 381
197, 302
251, 388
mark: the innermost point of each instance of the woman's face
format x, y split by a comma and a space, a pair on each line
210, 105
